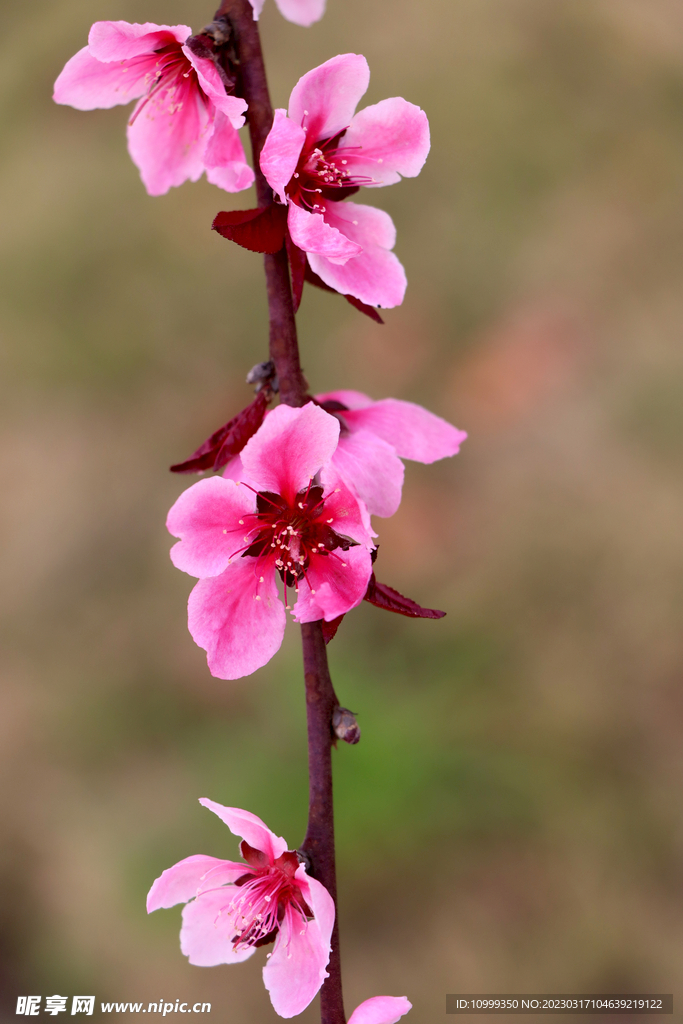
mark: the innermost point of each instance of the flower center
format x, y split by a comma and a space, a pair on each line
291, 534
172, 74
259, 907
323, 173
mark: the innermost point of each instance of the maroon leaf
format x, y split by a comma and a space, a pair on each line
386, 597
298, 264
330, 628
370, 311
261, 230
228, 441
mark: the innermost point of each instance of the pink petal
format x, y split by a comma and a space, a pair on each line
343, 512
190, 877
119, 40
302, 12
211, 84
296, 969
208, 930
238, 632
381, 1010
312, 233
376, 276
339, 580
414, 432
387, 140
320, 902
281, 152
224, 159
250, 827
86, 83
200, 517
324, 100
289, 448
351, 399
167, 135
371, 467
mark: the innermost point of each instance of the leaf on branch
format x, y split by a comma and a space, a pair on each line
228, 441
386, 597
370, 311
260, 230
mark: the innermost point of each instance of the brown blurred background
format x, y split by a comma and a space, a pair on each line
511, 820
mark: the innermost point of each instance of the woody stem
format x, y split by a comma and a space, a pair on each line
321, 699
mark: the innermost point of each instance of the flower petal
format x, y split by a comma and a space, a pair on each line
224, 159
208, 930
211, 84
190, 877
381, 1010
337, 583
167, 135
281, 152
87, 84
343, 511
312, 233
250, 827
320, 902
375, 276
238, 632
258, 7
324, 100
387, 140
289, 448
414, 432
302, 12
121, 40
296, 969
206, 518
371, 467
351, 399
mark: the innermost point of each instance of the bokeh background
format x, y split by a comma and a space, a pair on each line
511, 820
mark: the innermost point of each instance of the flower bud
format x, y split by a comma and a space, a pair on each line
345, 726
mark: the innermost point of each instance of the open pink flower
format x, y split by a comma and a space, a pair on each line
320, 152
301, 12
231, 908
184, 123
375, 436
285, 511
381, 1010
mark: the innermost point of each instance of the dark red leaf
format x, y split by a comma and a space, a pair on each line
228, 440
261, 230
298, 264
330, 628
386, 597
370, 311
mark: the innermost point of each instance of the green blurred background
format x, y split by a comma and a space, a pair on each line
511, 818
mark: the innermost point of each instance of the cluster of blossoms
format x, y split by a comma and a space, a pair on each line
286, 526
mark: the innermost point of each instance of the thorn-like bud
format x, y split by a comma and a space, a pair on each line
304, 859
345, 726
263, 375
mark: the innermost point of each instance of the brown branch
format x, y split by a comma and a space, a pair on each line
321, 701
284, 348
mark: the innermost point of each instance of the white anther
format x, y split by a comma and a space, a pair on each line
260, 579
225, 531
343, 567
257, 598
344, 161
330, 520
296, 175
380, 161
337, 490
241, 522
301, 505
355, 222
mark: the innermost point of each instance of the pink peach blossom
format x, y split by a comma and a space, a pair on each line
282, 510
319, 152
381, 1010
231, 908
375, 436
301, 12
184, 123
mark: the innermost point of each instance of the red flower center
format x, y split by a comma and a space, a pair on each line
323, 173
264, 895
292, 533
173, 74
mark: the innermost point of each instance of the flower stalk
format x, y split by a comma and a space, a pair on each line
321, 700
